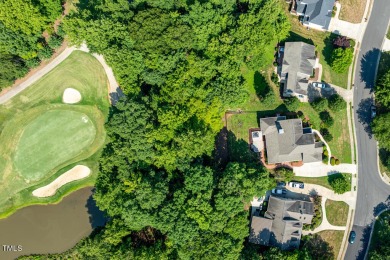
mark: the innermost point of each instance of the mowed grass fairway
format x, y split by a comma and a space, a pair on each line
41, 137
51, 139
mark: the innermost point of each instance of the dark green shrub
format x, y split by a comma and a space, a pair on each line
341, 59
326, 153
45, 53
332, 161
269, 99
336, 103
60, 31
32, 63
319, 104
275, 78
326, 134
340, 184
55, 41
337, 162
284, 174
292, 103
326, 118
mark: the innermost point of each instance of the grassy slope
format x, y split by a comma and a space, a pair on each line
334, 238
80, 71
352, 10
323, 181
336, 212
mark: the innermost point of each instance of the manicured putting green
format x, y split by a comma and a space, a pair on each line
51, 139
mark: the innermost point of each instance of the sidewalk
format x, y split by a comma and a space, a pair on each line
325, 225
346, 94
337, 26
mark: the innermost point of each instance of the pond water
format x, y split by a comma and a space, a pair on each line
56, 228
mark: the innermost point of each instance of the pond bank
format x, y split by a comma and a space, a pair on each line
50, 228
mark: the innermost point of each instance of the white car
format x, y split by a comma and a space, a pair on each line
294, 184
319, 85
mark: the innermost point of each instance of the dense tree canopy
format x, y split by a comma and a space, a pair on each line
21, 25
179, 64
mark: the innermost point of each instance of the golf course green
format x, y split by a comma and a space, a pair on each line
41, 137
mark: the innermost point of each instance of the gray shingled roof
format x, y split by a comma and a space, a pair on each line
298, 62
286, 217
291, 145
318, 12
260, 230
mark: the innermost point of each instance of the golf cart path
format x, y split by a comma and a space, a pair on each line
114, 91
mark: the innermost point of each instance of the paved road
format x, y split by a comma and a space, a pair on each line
373, 193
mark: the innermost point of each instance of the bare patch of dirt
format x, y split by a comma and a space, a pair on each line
352, 10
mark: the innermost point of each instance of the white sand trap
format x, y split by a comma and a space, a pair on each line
71, 96
76, 173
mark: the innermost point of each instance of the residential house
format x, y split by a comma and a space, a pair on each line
299, 61
286, 140
314, 13
282, 223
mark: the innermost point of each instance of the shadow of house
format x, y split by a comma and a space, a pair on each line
369, 62
364, 114
282, 223
294, 37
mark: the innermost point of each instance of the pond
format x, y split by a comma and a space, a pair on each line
56, 228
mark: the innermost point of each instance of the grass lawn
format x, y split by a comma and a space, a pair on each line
42, 138
334, 238
324, 48
352, 11
336, 212
323, 181
239, 124
381, 226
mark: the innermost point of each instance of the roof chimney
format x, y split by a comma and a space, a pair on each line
280, 130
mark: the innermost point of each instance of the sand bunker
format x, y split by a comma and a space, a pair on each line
76, 173
71, 96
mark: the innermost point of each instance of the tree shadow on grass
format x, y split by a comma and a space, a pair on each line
239, 150
328, 49
293, 37
261, 85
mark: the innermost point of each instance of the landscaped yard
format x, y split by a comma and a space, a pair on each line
239, 124
336, 212
42, 137
381, 233
334, 238
324, 47
352, 10
323, 181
